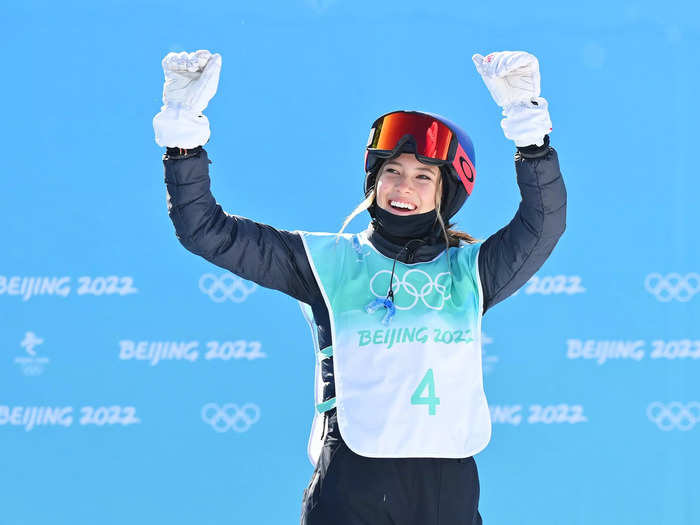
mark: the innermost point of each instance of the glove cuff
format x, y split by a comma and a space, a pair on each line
533, 151
175, 128
527, 122
182, 153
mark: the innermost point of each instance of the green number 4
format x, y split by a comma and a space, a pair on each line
429, 398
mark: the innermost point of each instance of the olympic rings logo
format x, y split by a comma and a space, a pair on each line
433, 293
230, 417
672, 286
226, 286
675, 415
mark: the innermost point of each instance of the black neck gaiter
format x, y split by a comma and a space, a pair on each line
400, 229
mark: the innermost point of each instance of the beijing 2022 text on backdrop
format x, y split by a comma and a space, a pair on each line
141, 384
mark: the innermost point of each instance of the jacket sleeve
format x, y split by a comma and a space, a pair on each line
257, 252
509, 257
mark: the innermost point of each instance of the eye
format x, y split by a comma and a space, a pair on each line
425, 177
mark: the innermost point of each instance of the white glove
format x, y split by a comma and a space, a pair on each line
190, 83
513, 79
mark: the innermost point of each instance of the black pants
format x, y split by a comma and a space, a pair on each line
349, 489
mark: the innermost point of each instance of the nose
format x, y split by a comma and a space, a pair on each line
404, 185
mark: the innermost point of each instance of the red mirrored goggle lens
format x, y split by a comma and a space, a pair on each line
431, 136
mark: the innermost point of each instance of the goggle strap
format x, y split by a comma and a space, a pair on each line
464, 168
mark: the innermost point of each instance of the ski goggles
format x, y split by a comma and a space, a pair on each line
435, 142
431, 137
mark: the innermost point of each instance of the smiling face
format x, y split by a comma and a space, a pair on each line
406, 186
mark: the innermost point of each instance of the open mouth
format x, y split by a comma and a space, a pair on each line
402, 206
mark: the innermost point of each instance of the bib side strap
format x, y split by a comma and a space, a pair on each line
325, 352
326, 406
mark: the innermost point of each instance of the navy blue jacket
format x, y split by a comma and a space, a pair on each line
276, 258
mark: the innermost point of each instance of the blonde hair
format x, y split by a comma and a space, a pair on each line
452, 237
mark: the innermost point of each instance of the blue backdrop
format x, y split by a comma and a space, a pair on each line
137, 384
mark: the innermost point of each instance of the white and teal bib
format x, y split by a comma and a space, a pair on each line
411, 387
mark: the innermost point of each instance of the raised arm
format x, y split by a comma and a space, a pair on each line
509, 257
257, 252
512, 255
272, 258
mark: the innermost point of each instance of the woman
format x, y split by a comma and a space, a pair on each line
395, 310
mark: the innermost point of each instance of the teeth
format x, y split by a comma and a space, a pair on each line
405, 205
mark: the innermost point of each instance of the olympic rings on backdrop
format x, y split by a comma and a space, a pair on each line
674, 415
230, 417
226, 286
432, 293
672, 286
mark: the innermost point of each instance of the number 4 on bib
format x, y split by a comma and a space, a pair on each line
429, 398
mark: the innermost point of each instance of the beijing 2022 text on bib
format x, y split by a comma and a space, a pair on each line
412, 387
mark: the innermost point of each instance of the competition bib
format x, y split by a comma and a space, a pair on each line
410, 386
